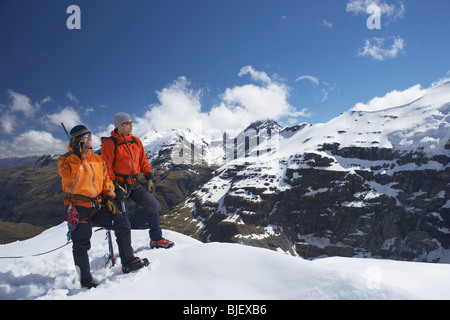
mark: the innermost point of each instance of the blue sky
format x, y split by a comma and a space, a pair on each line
220, 63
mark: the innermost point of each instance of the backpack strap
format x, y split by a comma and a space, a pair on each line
116, 142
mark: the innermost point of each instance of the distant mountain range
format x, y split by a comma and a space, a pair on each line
18, 161
372, 184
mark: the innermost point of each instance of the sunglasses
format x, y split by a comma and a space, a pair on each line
86, 135
127, 123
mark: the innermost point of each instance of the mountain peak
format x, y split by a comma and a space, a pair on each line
264, 124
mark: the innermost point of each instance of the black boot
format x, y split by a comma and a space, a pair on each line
88, 283
134, 264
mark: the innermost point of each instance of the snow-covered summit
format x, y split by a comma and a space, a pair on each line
423, 124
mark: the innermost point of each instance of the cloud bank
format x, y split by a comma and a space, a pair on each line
180, 106
28, 126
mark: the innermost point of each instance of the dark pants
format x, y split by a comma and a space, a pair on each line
81, 236
152, 207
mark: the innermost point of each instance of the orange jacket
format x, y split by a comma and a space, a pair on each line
128, 159
87, 177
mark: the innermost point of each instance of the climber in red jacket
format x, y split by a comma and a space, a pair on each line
125, 158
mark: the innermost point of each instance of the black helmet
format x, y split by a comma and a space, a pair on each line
78, 131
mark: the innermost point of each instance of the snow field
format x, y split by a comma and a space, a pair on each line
192, 270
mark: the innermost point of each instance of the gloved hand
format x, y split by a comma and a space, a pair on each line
111, 205
77, 145
121, 193
150, 183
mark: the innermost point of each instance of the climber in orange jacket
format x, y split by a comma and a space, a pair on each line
90, 201
125, 158
84, 173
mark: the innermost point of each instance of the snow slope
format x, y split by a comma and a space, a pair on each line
195, 270
423, 123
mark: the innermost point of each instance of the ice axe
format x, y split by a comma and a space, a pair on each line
111, 256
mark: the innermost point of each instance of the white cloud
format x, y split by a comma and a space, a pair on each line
390, 11
376, 48
313, 79
88, 111
180, 106
20, 109
260, 102
72, 97
325, 23
45, 100
255, 75
21, 103
25, 115
325, 89
441, 81
68, 116
394, 98
32, 142
245, 104
7, 122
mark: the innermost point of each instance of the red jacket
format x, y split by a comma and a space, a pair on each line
129, 157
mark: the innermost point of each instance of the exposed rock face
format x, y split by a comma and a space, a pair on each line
397, 207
